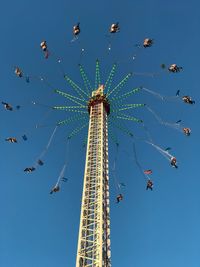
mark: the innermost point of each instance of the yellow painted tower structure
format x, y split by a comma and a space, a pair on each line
94, 231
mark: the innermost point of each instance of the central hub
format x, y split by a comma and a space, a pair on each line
98, 96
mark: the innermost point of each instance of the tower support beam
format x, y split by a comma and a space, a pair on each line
94, 231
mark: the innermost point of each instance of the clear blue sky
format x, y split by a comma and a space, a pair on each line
159, 228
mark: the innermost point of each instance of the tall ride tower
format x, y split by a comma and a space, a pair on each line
94, 231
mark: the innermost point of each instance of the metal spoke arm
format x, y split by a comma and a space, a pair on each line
121, 84
78, 90
71, 110
127, 106
77, 130
125, 96
97, 75
85, 79
70, 97
110, 78
72, 119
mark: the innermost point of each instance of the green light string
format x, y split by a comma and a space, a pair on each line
120, 85
130, 106
85, 142
85, 80
110, 78
126, 95
97, 75
71, 110
69, 107
122, 128
75, 87
76, 131
126, 117
72, 119
70, 97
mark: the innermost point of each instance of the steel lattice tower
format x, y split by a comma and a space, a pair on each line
94, 231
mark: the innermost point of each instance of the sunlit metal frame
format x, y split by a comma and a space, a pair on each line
94, 232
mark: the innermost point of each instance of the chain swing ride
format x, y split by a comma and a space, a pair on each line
100, 107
